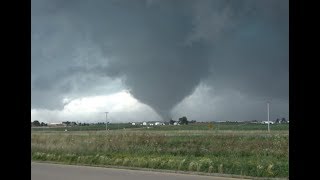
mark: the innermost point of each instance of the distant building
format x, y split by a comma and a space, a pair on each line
144, 123
56, 125
157, 123
133, 124
267, 122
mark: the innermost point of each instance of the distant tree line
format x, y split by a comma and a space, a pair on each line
36, 123
283, 120
67, 123
182, 120
83, 124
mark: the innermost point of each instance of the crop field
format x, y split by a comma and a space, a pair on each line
245, 149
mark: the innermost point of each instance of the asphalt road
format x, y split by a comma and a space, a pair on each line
43, 171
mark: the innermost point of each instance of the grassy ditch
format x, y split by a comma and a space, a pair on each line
256, 154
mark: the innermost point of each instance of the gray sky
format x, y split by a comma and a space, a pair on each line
209, 60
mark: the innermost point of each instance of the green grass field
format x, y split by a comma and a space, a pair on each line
231, 148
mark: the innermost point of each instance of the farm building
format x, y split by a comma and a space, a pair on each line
158, 123
56, 125
267, 122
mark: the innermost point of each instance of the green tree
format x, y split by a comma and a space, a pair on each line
283, 120
43, 124
67, 123
172, 122
183, 120
36, 123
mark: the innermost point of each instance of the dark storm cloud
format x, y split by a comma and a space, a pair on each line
255, 58
162, 49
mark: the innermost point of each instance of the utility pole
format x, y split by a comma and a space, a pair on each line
106, 120
268, 117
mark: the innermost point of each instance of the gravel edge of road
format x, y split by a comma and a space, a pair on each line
162, 170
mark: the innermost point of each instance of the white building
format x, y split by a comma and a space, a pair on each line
133, 124
267, 122
56, 125
144, 123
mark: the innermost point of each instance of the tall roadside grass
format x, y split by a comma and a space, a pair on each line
250, 154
